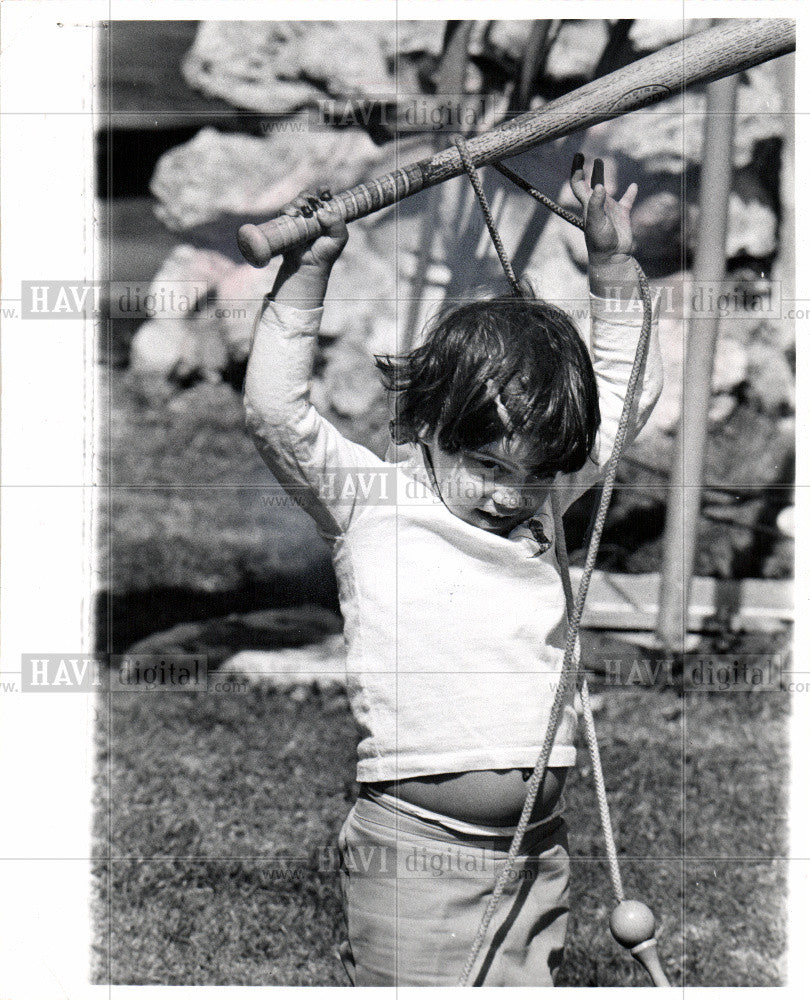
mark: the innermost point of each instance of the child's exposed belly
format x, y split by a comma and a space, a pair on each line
493, 798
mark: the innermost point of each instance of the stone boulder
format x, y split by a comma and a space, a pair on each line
238, 292
182, 338
217, 173
770, 379
666, 228
574, 54
414, 39
734, 374
215, 333
577, 50
182, 350
321, 665
161, 345
651, 35
668, 137
278, 67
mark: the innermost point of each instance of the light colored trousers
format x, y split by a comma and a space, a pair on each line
414, 893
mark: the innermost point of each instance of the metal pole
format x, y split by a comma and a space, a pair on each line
690, 443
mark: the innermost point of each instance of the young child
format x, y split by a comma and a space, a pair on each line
451, 593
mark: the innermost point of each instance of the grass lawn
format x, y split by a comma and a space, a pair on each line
216, 810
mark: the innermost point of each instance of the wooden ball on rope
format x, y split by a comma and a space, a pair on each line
632, 923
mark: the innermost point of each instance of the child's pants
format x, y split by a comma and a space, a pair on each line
414, 893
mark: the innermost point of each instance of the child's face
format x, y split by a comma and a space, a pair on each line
490, 487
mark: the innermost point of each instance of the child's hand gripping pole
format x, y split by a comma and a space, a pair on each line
303, 276
298, 225
259, 244
633, 925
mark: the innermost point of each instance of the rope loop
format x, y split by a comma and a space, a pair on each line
486, 211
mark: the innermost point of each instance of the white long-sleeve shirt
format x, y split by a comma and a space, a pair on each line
454, 635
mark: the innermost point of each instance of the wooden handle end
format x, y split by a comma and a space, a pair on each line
254, 245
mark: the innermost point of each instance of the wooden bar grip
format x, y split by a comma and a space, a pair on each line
719, 51
259, 244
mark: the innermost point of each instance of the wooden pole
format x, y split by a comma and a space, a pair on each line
686, 480
726, 48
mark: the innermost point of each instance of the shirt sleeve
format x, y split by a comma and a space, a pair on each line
614, 338
325, 473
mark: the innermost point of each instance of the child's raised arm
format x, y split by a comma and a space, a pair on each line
315, 464
616, 320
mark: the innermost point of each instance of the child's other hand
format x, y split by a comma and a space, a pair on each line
608, 232
323, 250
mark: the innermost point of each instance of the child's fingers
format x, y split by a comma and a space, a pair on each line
596, 216
327, 212
578, 183
598, 173
332, 223
306, 202
628, 199
296, 206
598, 199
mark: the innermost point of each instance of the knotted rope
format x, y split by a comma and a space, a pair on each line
571, 672
475, 180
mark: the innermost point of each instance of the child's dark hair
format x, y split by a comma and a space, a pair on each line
521, 351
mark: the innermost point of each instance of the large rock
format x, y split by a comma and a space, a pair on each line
665, 227
415, 38
752, 228
186, 342
574, 54
239, 291
320, 665
217, 173
161, 345
360, 316
730, 364
282, 66
771, 382
649, 36
661, 222
350, 385
730, 368
669, 136
577, 50
182, 338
